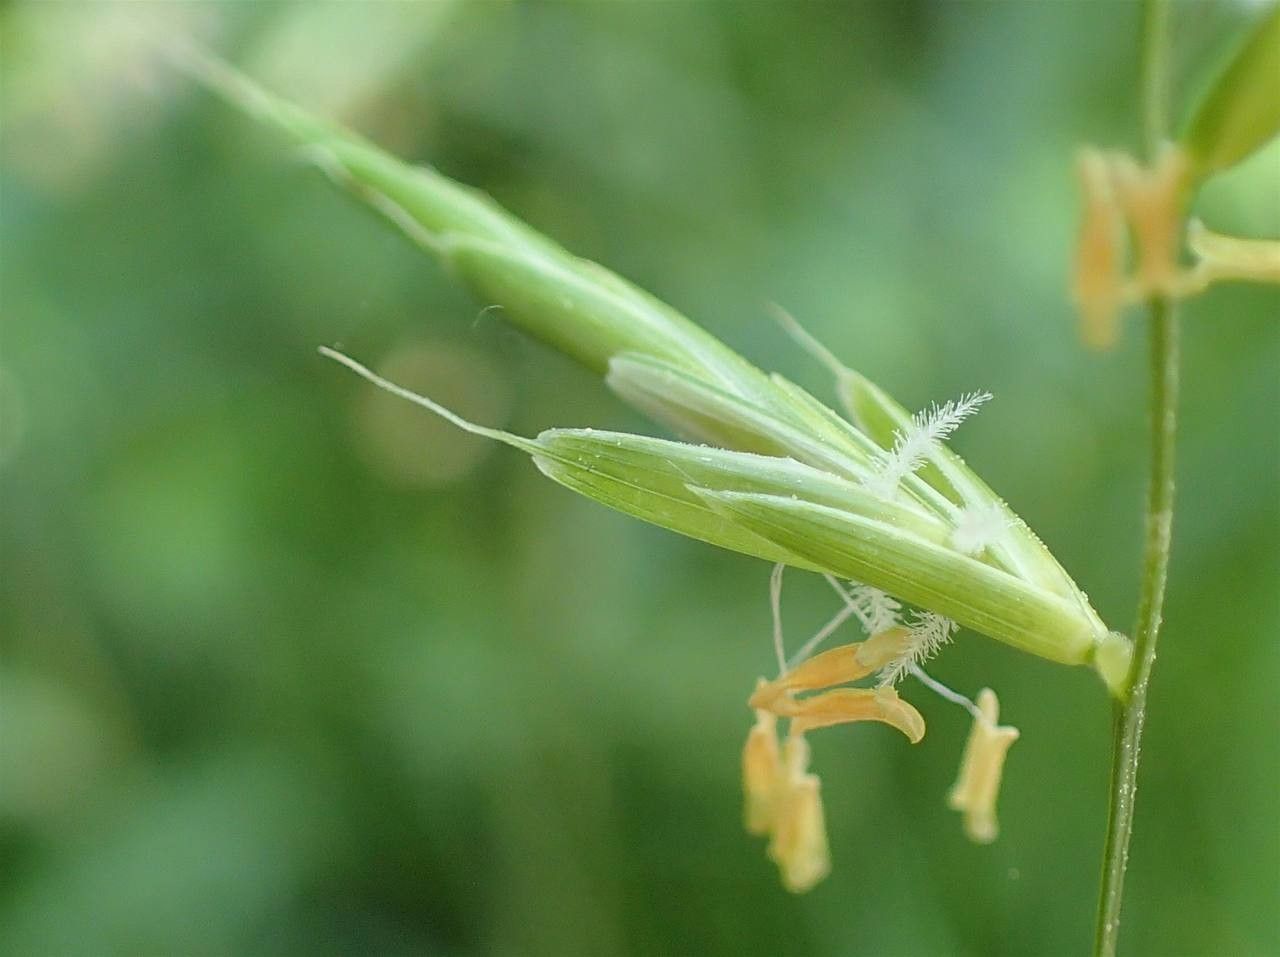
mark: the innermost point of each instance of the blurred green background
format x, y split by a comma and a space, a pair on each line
290, 668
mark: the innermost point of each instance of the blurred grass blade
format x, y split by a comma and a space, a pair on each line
937, 578
1241, 110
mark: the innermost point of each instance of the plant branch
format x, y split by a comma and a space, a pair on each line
1163, 342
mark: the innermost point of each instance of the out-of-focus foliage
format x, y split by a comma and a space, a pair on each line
1241, 111
289, 668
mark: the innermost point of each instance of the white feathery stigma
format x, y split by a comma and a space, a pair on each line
913, 445
881, 612
875, 610
927, 632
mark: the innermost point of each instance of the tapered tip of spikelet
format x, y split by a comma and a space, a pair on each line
1112, 659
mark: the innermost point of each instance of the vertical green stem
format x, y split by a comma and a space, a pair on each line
1163, 335
1154, 82
1130, 715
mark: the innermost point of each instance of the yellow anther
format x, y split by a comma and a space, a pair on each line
978, 785
761, 773
1153, 199
844, 705
799, 841
1150, 201
782, 799
1098, 287
841, 705
821, 671
834, 667
882, 648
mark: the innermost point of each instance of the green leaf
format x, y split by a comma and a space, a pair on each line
927, 574
1241, 110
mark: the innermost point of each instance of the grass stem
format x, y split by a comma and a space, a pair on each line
1163, 343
